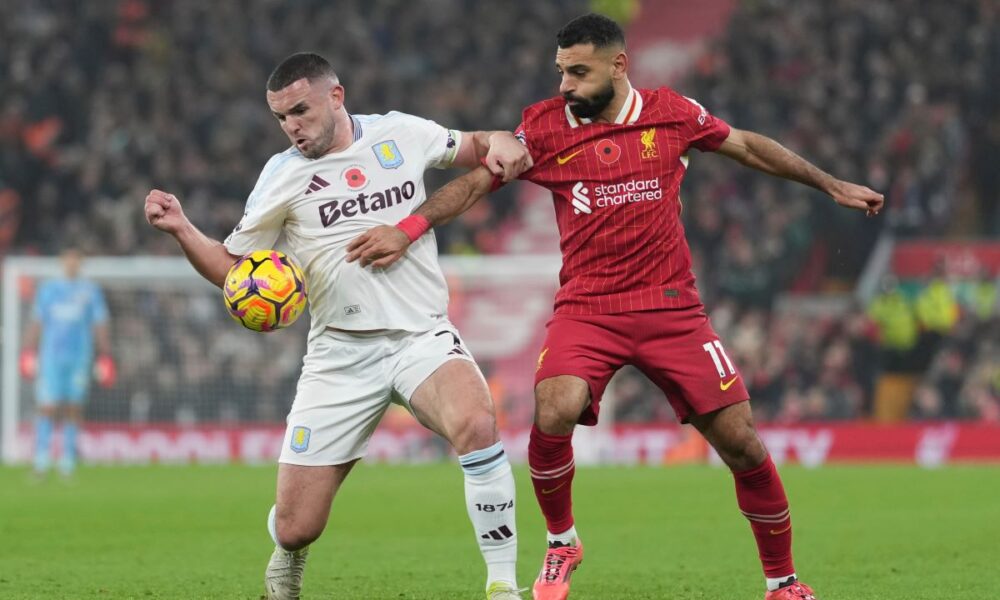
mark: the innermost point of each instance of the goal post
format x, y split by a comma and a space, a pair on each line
21, 274
194, 385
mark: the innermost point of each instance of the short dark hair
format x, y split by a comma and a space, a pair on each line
295, 67
591, 29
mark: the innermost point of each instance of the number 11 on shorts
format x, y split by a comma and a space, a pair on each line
715, 349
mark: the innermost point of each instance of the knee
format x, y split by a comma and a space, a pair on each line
551, 418
558, 404
478, 431
294, 534
743, 452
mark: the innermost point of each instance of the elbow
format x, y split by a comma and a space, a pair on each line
218, 277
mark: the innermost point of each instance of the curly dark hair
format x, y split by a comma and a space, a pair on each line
591, 28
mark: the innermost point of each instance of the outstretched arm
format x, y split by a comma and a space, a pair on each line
209, 257
764, 154
383, 245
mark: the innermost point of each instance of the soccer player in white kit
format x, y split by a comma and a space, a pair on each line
377, 335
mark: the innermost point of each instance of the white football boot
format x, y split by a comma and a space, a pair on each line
500, 590
283, 577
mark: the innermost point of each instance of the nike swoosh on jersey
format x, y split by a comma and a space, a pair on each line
725, 385
563, 160
773, 532
546, 492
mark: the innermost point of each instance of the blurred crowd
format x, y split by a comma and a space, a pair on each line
899, 95
104, 100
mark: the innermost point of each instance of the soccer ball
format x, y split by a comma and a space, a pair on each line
265, 291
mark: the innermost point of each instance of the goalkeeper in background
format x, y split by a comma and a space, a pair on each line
68, 316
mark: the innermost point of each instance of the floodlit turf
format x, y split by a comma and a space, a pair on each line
401, 532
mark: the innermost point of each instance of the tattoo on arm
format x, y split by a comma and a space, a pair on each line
764, 154
457, 196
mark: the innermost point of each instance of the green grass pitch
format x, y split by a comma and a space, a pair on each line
400, 532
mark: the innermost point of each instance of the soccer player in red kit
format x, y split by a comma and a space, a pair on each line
613, 157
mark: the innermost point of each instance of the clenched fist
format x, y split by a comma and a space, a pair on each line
164, 212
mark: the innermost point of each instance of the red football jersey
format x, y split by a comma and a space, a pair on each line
616, 192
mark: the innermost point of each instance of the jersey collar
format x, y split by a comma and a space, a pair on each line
627, 115
357, 128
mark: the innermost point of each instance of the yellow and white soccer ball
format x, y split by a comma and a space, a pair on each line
265, 291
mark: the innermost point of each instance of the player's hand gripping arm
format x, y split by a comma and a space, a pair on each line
383, 245
764, 154
498, 151
209, 257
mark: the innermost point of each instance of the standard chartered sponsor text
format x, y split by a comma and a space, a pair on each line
636, 190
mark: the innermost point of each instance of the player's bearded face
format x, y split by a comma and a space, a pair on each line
584, 107
319, 127
323, 141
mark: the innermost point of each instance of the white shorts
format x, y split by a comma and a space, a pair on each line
348, 380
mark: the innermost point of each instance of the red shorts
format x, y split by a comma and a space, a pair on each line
677, 349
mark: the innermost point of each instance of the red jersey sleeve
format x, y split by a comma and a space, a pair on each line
706, 132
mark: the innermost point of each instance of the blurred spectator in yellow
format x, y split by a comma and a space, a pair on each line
897, 324
937, 307
937, 312
978, 295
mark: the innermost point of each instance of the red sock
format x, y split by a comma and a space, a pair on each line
551, 460
763, 502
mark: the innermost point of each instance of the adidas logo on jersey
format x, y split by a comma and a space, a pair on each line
316, 184
332, 211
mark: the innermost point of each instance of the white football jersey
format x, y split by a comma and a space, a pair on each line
322, 204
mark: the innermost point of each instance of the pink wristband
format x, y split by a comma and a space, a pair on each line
414, 226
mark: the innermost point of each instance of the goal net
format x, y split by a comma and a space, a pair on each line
195, 386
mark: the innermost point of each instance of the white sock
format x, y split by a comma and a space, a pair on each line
567, 537
271, 528
489, 498
774, 583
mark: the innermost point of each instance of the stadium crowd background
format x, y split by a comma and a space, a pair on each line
103, 101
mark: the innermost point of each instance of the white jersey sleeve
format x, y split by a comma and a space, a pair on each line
440, 145
266, 210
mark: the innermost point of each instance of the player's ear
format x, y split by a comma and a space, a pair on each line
619, 65
337, 96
